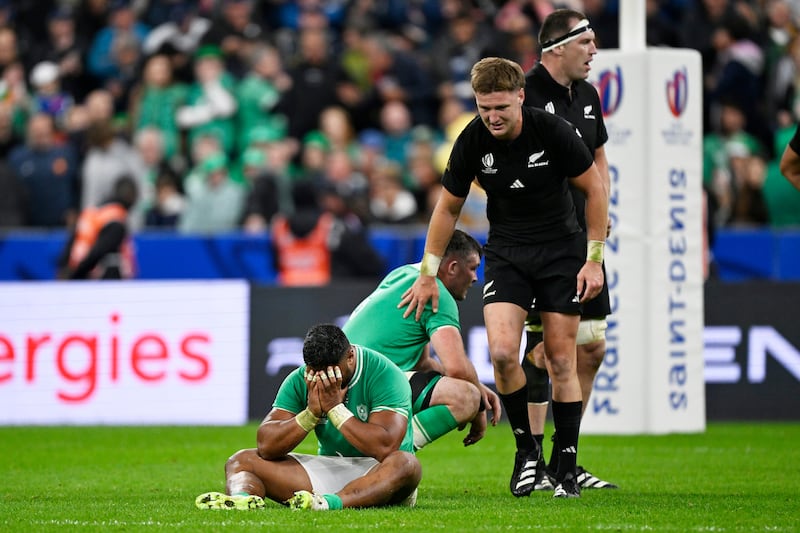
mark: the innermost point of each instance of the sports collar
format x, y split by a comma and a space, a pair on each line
579, 28
547, 85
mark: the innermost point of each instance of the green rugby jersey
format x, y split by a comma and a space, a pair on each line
379, 324
377, 385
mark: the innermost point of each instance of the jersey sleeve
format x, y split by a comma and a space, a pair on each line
574, 157
447, 314
292, 395
459, 172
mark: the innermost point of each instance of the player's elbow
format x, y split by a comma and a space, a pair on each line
265, 451
267, 446
455, 369
382, 448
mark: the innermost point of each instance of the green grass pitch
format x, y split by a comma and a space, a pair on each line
733, 477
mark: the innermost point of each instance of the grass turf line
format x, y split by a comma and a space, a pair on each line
733, 477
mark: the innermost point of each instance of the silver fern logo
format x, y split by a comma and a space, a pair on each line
533, 160
550, 108
488, 162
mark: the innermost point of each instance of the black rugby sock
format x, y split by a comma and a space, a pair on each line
540, 441
567, 420
552, 464
516, 406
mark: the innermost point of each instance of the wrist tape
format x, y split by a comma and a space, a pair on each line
594, 251
306, 419
430, 264
339, 415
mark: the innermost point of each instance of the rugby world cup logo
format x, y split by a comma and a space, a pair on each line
678, 92
610, 88
488, 161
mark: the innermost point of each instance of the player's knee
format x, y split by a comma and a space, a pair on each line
239, 461
471, 400
461, 397
408, 473
590, 356
561, 365
406, 467
504, 356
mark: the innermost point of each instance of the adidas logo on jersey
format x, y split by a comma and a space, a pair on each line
517, 185
587, 112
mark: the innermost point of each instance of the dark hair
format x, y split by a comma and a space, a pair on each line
558, 23
167, 176
305, 195
325, 345
462, 244
125, 190
736, 26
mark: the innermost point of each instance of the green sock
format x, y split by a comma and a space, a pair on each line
334, 501
242, 493
432, 423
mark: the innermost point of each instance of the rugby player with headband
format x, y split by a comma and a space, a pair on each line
558, 84
579, 28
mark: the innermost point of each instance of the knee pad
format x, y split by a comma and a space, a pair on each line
538, 382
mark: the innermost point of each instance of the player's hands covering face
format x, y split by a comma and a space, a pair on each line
325, 389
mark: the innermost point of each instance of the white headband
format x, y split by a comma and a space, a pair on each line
579, 28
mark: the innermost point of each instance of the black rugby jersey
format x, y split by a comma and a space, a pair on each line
580, 106
526, 179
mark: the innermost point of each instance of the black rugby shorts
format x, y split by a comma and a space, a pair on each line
546, 272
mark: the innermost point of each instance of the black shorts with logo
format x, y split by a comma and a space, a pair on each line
598, 307
544, 273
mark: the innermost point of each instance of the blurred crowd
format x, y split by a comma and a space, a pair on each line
220, 110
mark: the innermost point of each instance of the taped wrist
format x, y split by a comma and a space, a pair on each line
595, 250
306, 420
339, 414
430, 264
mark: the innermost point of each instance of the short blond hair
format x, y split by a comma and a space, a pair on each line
496, 74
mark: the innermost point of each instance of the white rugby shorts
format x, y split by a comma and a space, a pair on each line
329, 473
